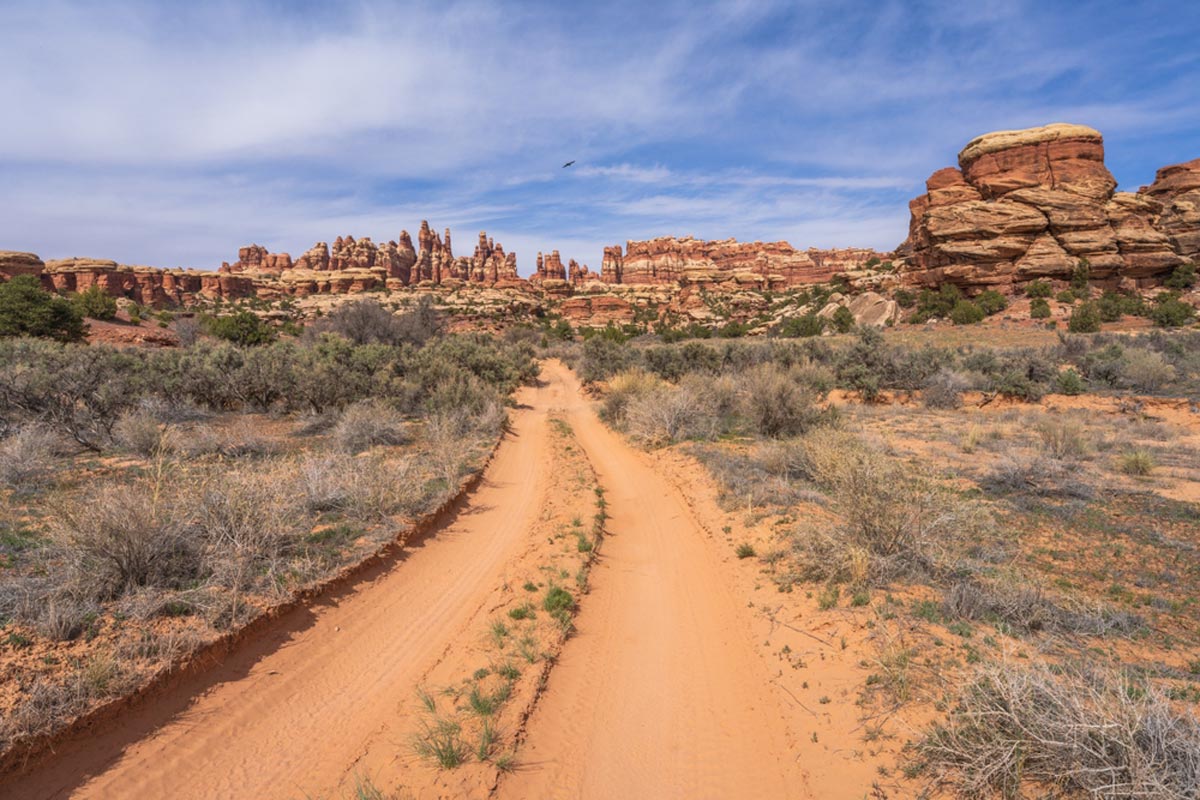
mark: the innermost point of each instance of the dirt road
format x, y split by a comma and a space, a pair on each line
660, 694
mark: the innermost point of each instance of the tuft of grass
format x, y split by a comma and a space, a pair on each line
745, 550
441, 741
829, 596
523, 611
1138, 462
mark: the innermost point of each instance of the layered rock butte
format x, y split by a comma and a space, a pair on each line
1031, 204
1021, 205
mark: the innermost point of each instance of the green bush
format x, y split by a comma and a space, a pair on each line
904, 298
991, 302
1081, 278
1183, 277
931, 304
1085, 318
842, 320
1066, 297
27, 310
966, 313
1039, 308
1038, 288
1113, 306
804, 326
95, 303
603, 358
1171, 312
242, 327
1070, 383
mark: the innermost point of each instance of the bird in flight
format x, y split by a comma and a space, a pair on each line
569, 163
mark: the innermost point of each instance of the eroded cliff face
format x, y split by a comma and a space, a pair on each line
689, 261
1032, 203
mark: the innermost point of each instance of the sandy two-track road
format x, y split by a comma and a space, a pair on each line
660, 694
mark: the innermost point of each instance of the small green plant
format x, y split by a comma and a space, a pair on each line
829, 596
1039, 308
991, 302
441, 741
1171, 312
523, 611
1183, 277
745, 550
842, 320
95, 303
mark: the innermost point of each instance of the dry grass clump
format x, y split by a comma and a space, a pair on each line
117, 537
1016, 472
1064, 439
368, 423
139, 431
366, 488
1028, 607
26, 456
894, 521
48, 704
777, 403
1088, 732
944, 389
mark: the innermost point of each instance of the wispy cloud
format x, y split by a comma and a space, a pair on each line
171, 133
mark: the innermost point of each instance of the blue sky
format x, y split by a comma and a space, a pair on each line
171, 133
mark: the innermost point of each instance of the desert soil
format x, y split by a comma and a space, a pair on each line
662, 692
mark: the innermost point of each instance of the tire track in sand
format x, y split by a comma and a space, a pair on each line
660, 694
288, 714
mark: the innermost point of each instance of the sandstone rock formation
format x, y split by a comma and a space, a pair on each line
1177, 189
689, 261
13, 264
1032, 203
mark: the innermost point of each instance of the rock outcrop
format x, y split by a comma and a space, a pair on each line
1033, 203
689, 261
13, 263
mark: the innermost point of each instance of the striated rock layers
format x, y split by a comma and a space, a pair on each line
1032, 203
689, 261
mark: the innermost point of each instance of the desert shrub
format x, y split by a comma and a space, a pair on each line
246, 521
1064, 439
1066, 297
1081, 278
1070, 383
1146, 370
1035, 474
991, 302
1113, 306
1089, 732
1182, 277
139, 432
1085, 318
667, 414
368, 423
1171, 312
117, 537
241, 327
931, 304
96, 303
366, 488
1039, 308
842, 320
904, 298
187, 330
1038, 289
27, 310
892, 522
623, 389
775, 404
26, 455
369, 322
603, 358
804, 325
944, 390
